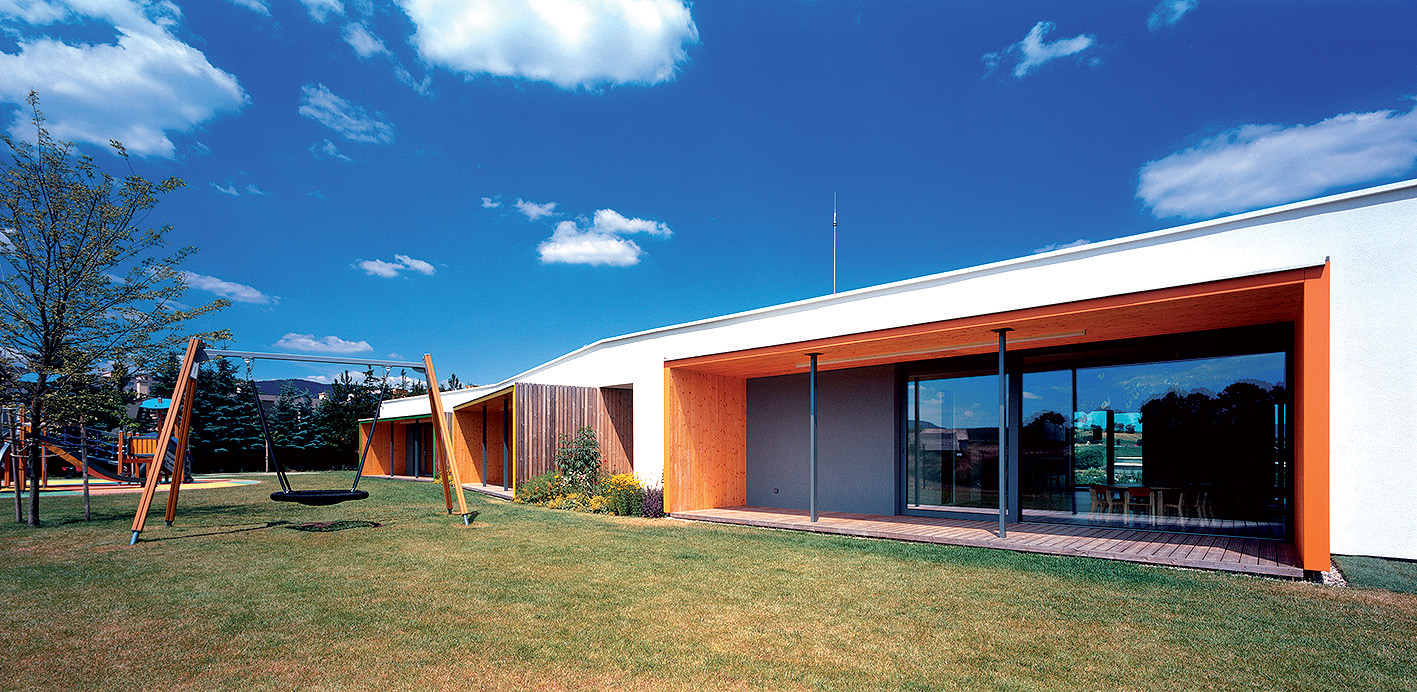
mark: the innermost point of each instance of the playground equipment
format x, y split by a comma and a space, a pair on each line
310, 497
177, 423
118, 457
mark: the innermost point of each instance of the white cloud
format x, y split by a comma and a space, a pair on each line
257, 6
392, 269
1168, 13
416, 265
611, 221
35, 11
229, 189
570, 244
387, 270
1032, 52
352, 122
354, 375
599, 242
328, 148
252, 189
423, 86
367, 44
489, 203
137, 89
1254, 166
240, 293
320, 10
328, 344
534, 211
1060, 246
364, 42
569, 43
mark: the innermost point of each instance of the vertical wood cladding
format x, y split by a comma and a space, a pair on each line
377, 462
705, 440
544, 412
467, 442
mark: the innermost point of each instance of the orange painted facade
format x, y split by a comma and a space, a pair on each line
1311, 424
705, 397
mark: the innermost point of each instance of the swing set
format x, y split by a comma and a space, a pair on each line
177, 424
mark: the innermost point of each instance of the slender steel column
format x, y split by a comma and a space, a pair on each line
1003, 425
916, 385
812, 458
1110, 433
484, 445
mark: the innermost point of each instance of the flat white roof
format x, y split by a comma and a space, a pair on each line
410, 407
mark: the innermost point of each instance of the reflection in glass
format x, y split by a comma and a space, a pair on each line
952, 449
1195, 445
1045, 455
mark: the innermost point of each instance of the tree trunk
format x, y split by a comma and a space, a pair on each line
84, 462
14, 461
35, 459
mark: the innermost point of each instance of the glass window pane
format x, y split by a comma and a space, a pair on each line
952, 443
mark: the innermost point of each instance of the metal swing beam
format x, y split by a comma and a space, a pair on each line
209, 353
178, 422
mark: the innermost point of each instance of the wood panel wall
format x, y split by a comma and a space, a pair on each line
705, 440
377, 461
544, 412
399, 458
614, 428
467, 443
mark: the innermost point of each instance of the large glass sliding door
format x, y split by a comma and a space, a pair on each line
952, 448
1198, 445
1046, 476
1182, 444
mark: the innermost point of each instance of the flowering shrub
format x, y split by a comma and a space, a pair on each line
573, 501
652, 506
539, 490
578, 460
623, 494
578, 502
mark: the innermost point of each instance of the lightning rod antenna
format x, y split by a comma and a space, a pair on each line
833, 242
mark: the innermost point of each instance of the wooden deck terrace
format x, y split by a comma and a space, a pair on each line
1224, 553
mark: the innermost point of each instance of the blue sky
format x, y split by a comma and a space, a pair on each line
499, 183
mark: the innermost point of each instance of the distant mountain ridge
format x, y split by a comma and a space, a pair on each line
311, 388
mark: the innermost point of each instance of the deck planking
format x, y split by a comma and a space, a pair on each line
1222, 553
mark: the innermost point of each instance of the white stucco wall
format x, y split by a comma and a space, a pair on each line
1369, 235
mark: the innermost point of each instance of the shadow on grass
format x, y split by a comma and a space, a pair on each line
1392, 574
207, 534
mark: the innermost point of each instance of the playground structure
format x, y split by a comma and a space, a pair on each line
119, 457
177, 424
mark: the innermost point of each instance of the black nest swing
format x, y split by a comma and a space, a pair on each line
315, 498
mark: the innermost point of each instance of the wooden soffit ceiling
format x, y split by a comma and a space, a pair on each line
1263, 299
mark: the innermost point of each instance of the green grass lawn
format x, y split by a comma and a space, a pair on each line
1378, 573
536, 599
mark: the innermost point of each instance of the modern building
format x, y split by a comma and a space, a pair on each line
1253, 376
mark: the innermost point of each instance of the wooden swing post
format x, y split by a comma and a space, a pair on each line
178, 417
446, 465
